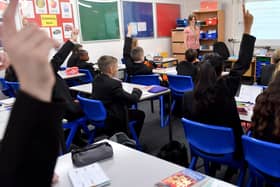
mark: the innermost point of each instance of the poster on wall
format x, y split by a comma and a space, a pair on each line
166, 22
55, 17
140, 15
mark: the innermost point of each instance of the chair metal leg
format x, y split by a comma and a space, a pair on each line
206, 166
87, 131
250, 180
241, 176
152, 105
71, 136
193, 163
134, 135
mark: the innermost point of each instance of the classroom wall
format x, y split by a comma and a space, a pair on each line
150, 45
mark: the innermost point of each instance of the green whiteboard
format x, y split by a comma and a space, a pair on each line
99, 20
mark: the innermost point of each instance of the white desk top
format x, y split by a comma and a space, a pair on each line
168, 70
5, 114
63, 75
127, 168
120, 67
128, 87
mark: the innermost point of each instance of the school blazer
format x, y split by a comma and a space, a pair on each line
30, 145
188, 69
223, 110
132, 67
114, 98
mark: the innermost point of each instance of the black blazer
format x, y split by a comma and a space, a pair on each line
188, 69
61, 90
132, 67
115, 100
223, 111
31, 143
10, 74
266, 74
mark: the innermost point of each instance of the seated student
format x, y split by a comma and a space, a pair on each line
28, 156
74, 56
79, 58
134, 56
266, 116
212, 100
268, 70
109, 90
189, 66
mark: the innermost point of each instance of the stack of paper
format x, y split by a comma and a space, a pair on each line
91, 175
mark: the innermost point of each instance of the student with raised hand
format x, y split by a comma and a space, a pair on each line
115, 99
268, 70
134, 56
266, 116
212, 100
28, 156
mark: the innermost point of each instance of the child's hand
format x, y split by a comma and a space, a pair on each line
247, 19
129, 30
74, 35
4, 60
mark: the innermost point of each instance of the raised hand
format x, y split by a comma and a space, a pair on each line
4, 60
129, 30
28, 51
247, 19
74, 34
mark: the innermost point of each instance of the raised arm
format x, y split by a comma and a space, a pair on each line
246, 46
64, 51
127, 42
31, 143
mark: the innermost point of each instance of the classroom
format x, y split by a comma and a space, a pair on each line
139, 92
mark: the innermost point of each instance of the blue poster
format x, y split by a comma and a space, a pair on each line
141, 16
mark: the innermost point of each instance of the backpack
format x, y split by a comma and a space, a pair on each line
174, 152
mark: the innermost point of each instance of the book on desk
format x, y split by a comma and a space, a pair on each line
88, 176
184, 178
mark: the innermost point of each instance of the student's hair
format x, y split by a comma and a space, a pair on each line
104, 62
276, 60
276, 56
216, 61
76, 48
190, 55
204, 90
83, 55
137, 53
191, 16
267, 109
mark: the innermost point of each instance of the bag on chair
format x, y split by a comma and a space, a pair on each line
174, 152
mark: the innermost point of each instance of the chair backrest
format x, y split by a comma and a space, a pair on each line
208, 138
123, 61
6, 90
14, 86
93, 109
180, 83
221, 49
262, 155
152, 79
88, 78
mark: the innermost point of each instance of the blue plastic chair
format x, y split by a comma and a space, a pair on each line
88, 78
179, 84
96, 114
74, 126
263, 160
6, 90
212, 143
62, 68
14, 86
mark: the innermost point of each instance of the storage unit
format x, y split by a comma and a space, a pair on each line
260, 62
211, 31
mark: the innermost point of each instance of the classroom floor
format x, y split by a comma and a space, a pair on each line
153, 137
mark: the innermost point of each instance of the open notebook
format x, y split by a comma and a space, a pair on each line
248, 93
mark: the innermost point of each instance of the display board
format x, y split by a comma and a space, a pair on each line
166, 18
53, 16
99, 20
141, 16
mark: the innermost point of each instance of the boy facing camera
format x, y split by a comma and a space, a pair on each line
115, 99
